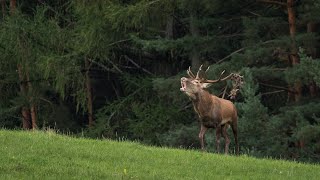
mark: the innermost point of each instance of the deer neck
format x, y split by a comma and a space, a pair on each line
201, 102
202, 97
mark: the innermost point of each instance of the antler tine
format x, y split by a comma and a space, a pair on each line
189, 72
218, 80
229, 76
207, 68
200, 68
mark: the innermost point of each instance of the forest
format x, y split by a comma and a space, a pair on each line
112, 68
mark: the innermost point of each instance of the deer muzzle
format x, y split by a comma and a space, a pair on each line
183, 84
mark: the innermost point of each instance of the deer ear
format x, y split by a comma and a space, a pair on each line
206, 85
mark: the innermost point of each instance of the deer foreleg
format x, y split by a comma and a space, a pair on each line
201, 136
226, 138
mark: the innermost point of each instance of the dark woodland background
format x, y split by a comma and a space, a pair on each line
112, 69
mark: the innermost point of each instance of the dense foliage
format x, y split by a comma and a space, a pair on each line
112, 69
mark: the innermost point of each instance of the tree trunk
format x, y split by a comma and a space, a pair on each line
89, 94
25, 112
26, 119
313, 89
28, 114
294, 57
13, 6
33, 109
3, 7
33, 116
166, 65
194, 55
169, 27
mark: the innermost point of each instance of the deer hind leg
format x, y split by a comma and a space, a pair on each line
226, 138
201, 136
234, 127
218, 135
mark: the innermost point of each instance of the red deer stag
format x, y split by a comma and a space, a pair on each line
213, 112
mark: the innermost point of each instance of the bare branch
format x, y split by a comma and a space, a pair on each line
224, 92
256, 14
153, 2
277, 69
241, 49
277, 87
114, 65
273, 2
272, 92
137, 65
102, 66
117, 42
234, 52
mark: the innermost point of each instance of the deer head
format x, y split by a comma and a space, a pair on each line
196, 83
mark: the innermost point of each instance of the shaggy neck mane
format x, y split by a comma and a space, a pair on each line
202, 95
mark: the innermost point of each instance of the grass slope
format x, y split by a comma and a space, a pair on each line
44, 155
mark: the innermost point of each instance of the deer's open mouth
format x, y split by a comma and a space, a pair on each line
183, 84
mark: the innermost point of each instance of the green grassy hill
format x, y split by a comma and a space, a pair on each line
44, 155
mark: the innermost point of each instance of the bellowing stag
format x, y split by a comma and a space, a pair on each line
213, 112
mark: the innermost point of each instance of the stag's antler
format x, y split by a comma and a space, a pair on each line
201, 75
220, 78
199, 71
189, 72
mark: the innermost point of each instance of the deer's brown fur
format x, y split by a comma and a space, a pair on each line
213, 112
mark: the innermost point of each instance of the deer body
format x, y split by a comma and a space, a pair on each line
213, 112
